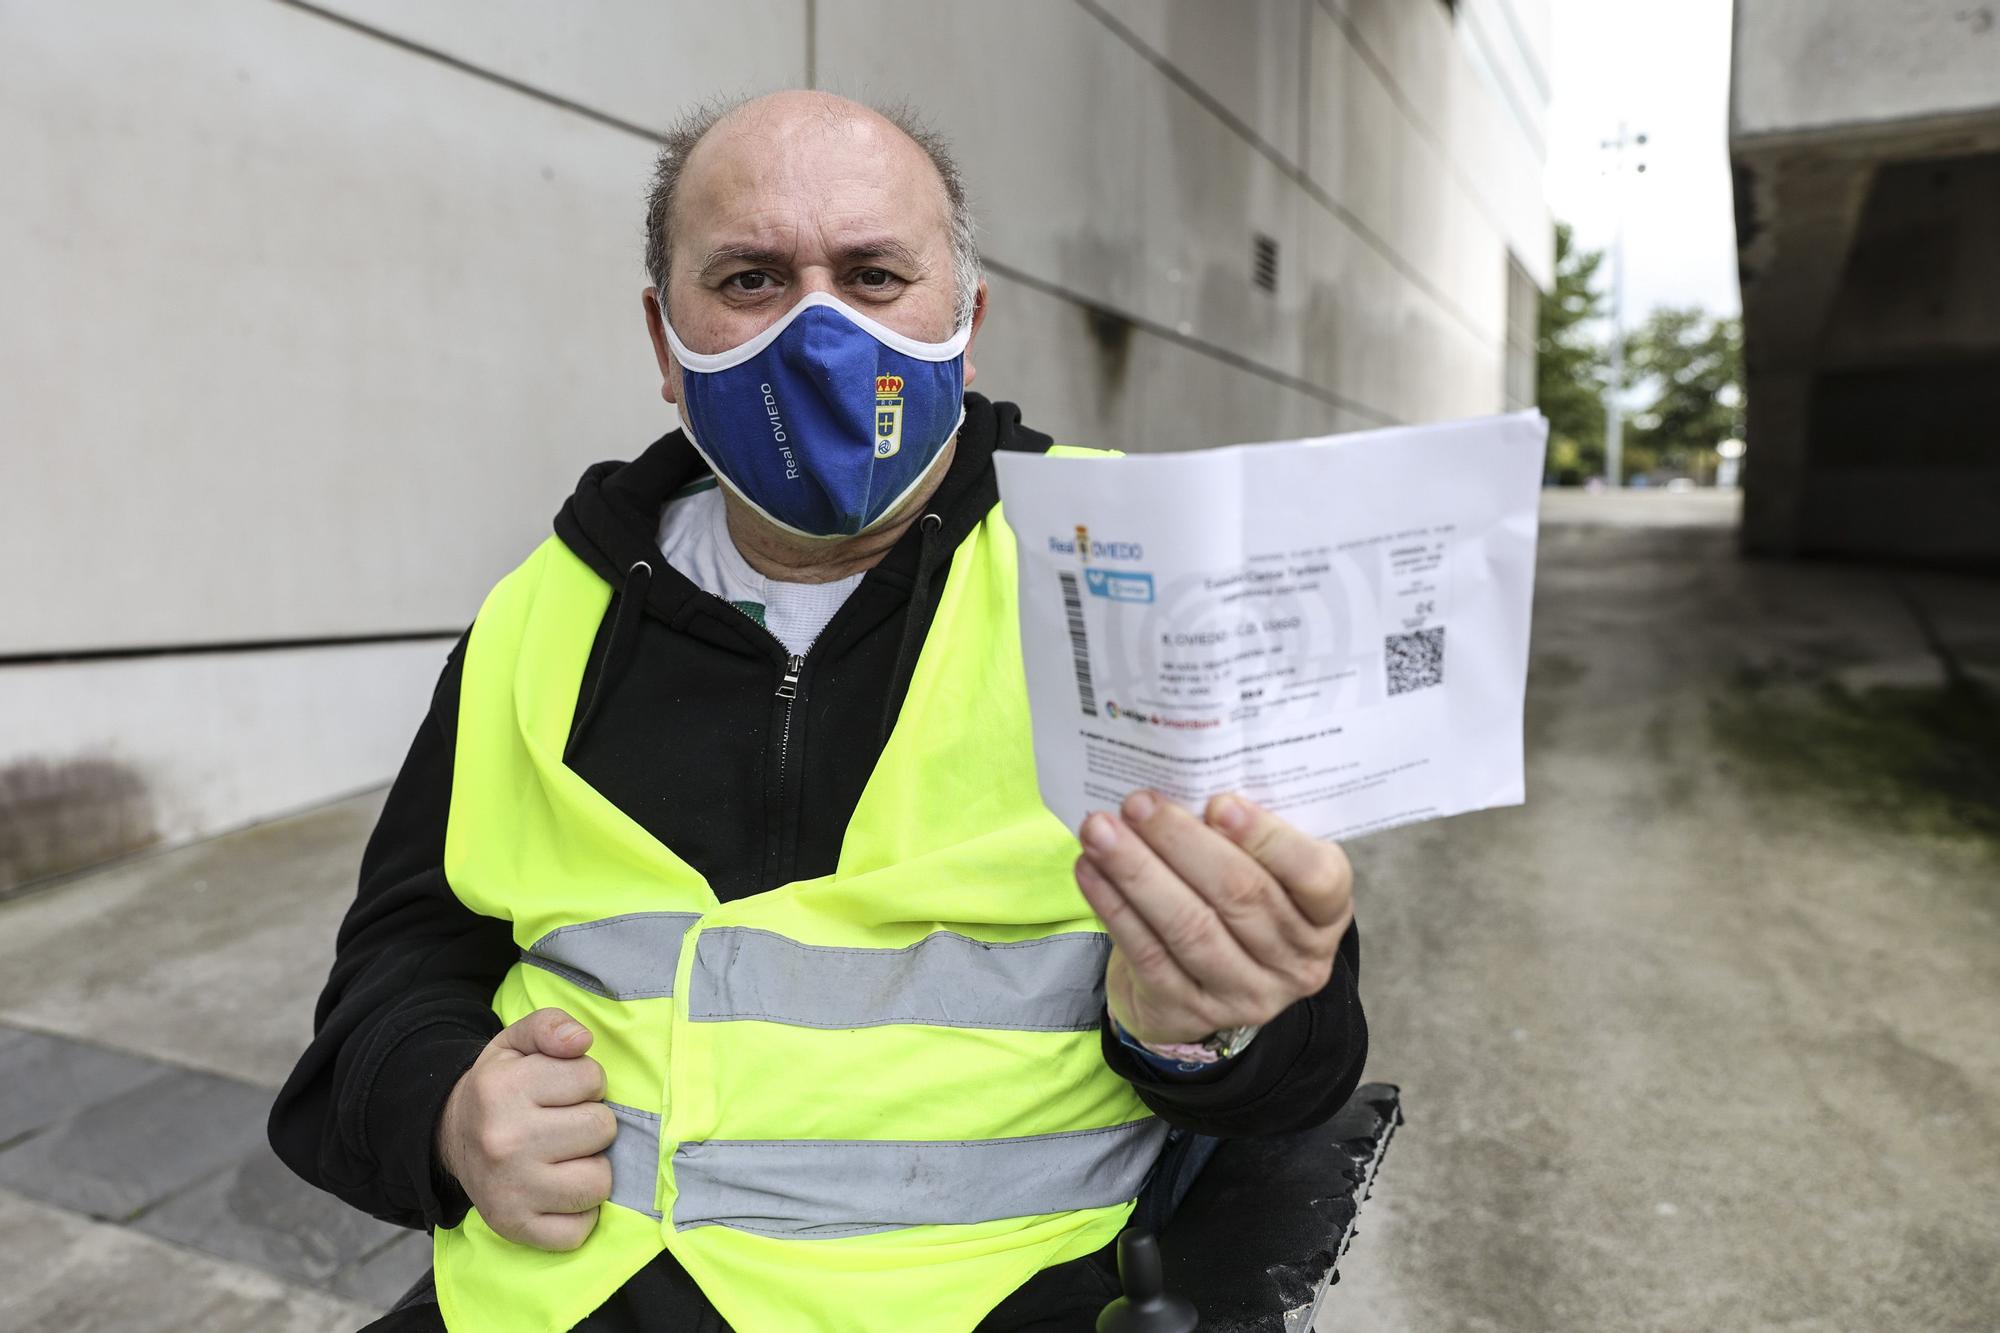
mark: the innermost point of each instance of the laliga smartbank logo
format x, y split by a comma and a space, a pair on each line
888, 415
1119, 713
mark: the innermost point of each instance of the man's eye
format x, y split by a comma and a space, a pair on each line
874, 277
755, 280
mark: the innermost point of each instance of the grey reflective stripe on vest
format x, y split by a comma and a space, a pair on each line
629, 957
1052, 984
844, 1187
841, 1187
635, 1159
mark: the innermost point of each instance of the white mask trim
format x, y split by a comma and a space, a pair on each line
709, 362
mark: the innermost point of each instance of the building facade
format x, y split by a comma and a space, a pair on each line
1865, 137
317, 310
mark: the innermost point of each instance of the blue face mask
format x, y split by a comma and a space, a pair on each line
826, 420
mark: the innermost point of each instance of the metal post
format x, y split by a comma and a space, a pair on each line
1614, 411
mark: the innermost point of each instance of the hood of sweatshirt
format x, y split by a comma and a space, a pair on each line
612, 523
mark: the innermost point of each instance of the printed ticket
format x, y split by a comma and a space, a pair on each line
1337, 627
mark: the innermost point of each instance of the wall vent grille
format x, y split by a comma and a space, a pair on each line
1264, 262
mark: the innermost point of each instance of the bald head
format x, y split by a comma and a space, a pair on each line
822, 158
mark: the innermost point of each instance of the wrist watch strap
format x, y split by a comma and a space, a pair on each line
1229, 1042
1212, 1049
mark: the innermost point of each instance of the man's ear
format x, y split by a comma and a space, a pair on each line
978, 318
656, 328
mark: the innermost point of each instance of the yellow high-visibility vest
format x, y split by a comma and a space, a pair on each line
873, 1100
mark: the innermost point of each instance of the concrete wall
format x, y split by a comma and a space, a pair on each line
1804, 69
315, 311
1865, 136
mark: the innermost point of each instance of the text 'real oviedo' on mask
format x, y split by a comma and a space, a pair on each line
827, 419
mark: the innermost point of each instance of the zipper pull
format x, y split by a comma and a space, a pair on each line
789, 687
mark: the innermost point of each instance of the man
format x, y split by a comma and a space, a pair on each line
714, 956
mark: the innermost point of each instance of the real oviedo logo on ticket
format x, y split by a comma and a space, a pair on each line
1118, 585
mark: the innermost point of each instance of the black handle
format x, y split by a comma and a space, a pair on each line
1146, 1306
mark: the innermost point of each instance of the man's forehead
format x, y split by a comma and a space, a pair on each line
815, 124
761, 175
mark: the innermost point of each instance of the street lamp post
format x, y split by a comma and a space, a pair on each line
1614, 410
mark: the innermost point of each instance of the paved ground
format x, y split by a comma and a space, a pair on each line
147, 1011
1704, 1037
1707, 1035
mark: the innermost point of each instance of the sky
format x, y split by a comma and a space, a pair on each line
1663, 66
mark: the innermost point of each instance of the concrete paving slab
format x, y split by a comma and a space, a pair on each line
381, 1278
44, 1079
208, 955
131, 1151
258, 1213
60, 1273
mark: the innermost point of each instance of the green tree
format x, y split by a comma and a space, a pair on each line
1571, 363
1689, 366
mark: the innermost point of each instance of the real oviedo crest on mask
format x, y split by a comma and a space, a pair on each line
827, 419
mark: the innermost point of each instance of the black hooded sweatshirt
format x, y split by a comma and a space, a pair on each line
681, 723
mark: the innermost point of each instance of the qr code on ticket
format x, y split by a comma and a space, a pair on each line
1415, 661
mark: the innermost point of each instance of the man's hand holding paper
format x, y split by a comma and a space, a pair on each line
1217, 922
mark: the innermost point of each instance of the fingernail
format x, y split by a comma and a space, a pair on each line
1099, 834
568, 1031
1139, 806
1230, 815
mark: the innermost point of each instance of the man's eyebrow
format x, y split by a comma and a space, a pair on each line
761, 256
880, 247
756, 255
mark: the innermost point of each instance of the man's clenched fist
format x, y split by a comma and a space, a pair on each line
1216, 922
524, 1132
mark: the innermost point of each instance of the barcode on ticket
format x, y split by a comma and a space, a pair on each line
1079, 643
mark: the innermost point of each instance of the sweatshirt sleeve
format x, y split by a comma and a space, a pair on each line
406, 1008
1301, 1068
